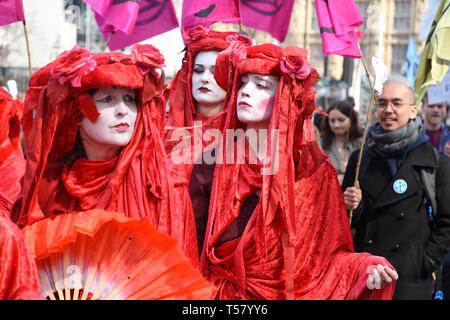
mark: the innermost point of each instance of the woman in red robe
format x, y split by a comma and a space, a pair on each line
277, 226
197, 114
65, 172
12, 162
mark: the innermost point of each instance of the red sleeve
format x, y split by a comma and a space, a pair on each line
18, 272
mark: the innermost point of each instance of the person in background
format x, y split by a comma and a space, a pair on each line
340, 134
438, 132
391, 214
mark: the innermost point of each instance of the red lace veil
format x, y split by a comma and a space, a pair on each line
138, 183
297, 243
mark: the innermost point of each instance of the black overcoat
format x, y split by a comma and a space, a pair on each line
393, 221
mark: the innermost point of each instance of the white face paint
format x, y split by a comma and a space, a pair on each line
256, 98
114, 127
205, 90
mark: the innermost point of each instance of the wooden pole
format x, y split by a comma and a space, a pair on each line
30, 70
369, 111
109, 39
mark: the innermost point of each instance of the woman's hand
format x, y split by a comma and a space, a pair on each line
379, 276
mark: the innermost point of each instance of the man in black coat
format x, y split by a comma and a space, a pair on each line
392, 214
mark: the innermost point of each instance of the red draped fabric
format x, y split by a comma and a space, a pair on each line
12, 162
297, 243
187, 131
136, 182
18, 272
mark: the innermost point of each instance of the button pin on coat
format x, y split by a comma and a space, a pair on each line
400, 186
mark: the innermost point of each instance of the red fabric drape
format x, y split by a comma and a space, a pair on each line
12, 162
18, 272
297, 243
136, 182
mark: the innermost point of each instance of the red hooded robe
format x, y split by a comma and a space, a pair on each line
297, 242
180, 130
137, 181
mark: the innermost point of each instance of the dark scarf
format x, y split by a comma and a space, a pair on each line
393, 146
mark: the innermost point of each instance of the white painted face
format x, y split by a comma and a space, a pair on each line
256, 98
114, 127
205, 89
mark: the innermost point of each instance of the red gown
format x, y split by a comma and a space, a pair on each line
137, 181
297, 242
12, 162
18, 272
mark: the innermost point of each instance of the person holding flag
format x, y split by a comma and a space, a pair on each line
395, 215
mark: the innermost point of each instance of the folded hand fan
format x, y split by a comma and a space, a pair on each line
104, 255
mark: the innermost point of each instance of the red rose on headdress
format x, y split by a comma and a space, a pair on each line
194, 34
146, 57
238, 52
241, 38
238, 47
72, 65
295, 66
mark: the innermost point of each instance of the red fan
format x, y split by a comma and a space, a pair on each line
104, 255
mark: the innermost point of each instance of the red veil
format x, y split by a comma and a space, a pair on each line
12, 162
136, 182
297, 243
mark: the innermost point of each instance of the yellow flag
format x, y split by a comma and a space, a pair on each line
435, 57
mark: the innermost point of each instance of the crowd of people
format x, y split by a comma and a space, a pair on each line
235, 172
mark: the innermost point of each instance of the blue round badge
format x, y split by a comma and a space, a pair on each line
400, 186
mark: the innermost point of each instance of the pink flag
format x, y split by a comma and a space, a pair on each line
115, 15
151, 18
207, 12
272, 16
11, 11
338, 20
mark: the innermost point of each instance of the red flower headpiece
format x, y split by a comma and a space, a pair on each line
295, 63
72, 65
238, 47
147, 57
194, 34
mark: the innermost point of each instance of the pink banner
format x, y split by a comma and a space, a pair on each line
153, 17
207, 12
272, 16
115, 14
338, 20
11, 11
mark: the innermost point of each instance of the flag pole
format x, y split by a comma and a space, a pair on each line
369, 111
30, 70
109, 39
